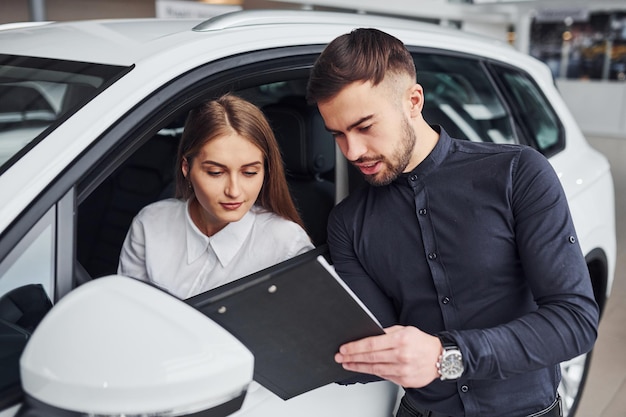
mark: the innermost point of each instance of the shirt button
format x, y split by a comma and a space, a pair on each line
445, 300
413, 177
572, 239
432, 256
464, 388
422, 211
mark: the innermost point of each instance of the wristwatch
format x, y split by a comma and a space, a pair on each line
450, 365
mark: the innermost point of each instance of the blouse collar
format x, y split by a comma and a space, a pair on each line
225, 243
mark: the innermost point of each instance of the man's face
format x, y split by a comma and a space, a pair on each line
371, 125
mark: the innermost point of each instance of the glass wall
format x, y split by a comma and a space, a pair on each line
582, 45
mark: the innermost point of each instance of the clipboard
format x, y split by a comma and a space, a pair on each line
293, 317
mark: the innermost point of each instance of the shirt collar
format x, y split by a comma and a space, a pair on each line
434, 158
225, 243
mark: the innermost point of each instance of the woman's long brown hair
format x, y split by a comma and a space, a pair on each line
221, 117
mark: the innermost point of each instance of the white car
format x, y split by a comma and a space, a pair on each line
90, 115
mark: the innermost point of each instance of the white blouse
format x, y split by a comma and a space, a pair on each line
164, 246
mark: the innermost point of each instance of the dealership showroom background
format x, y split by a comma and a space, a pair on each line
563, 33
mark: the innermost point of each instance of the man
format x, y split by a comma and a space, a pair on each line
466, 250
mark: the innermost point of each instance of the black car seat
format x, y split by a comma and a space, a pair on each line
104, 217
308, 151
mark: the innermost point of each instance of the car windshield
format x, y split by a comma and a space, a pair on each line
37, 93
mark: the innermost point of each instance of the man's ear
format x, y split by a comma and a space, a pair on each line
416, 97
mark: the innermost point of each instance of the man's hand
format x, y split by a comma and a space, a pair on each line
404, 355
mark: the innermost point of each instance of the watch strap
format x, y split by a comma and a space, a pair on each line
446, 341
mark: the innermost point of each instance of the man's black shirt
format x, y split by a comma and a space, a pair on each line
477, 243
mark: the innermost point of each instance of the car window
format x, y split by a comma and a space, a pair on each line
460, 96
147, 175
26, 288
36, 93
535, 116
32, 260
104, 216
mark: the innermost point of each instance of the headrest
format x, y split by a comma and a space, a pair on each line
308, 148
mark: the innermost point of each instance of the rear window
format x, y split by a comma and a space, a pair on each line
482, 101
460, 96
37, 94
536, 118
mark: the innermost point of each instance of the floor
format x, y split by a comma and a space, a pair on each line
605, 392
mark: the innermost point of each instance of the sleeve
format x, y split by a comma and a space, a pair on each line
276, 240
564, 325
301, 242
132, 262
346, 262
348, 267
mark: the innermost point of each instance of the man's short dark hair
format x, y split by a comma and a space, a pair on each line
364, 54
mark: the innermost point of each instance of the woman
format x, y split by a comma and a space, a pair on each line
233, 214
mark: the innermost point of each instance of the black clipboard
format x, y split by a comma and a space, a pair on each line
293, 317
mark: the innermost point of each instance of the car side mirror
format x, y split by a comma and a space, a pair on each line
118, 346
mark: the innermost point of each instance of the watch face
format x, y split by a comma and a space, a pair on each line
451, 364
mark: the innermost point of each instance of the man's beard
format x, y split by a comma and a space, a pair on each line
399, 159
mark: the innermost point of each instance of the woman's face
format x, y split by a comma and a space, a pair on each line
227, 177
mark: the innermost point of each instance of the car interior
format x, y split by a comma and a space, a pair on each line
308, 151
21, 119
36, 94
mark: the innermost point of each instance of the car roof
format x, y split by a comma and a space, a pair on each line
128, 41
